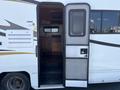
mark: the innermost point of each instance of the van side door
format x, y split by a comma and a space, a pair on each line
77, 44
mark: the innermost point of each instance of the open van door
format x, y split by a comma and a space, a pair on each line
77, 44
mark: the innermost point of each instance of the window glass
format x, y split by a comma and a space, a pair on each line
95, 21
77, 22
110, 21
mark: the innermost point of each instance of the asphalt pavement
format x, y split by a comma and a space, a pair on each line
112, 86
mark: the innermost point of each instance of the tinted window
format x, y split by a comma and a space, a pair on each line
77, 22
95, 21
110, 20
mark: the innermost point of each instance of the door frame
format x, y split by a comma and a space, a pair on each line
63, 37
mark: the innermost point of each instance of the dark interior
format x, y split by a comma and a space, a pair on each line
51, 43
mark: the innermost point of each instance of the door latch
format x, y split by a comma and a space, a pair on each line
84, 51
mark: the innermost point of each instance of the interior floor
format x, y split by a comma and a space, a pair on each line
51, 45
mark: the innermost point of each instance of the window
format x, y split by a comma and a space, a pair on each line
77, 22
102, 21
95, 21
110, 20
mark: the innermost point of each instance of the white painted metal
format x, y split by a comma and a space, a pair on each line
75, 52
104, 64
74, 83
21, 51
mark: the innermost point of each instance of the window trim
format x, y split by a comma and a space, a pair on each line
69, 30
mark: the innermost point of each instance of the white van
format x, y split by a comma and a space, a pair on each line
47, 45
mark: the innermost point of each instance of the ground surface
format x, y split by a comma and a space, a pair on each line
114, 86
